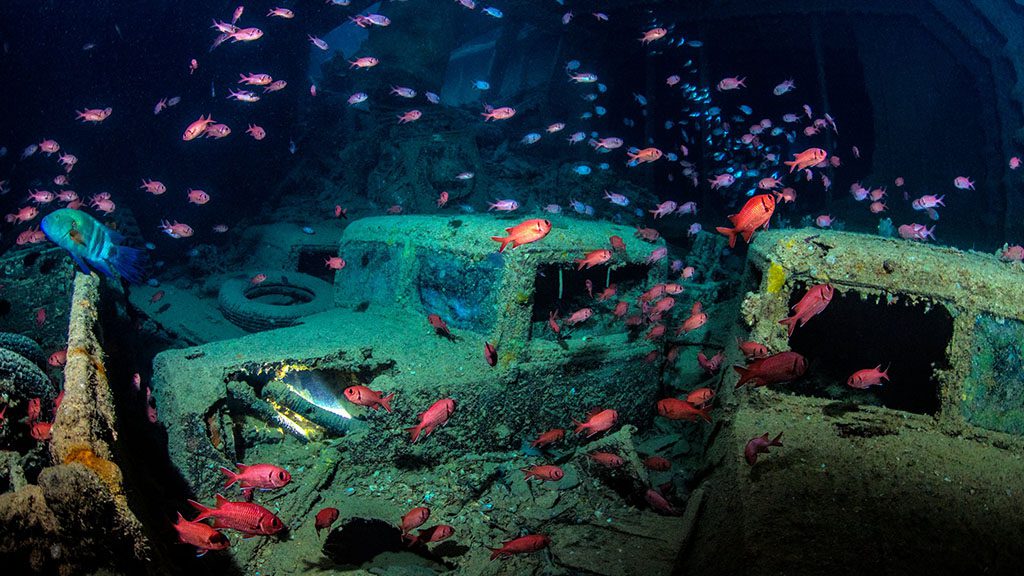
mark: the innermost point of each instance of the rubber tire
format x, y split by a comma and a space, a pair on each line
254, 316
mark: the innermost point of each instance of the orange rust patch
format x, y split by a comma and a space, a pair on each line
76, 351
107, 471
213, 430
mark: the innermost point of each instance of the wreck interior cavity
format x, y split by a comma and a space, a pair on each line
858, 331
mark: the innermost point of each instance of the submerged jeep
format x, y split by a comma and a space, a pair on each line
284, 387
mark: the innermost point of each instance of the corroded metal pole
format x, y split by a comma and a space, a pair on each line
86, 425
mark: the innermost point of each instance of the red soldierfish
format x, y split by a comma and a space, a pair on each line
607, 459
245, 517
524, 233
676, 409
710, 365
599, 421
549, 437
325, 518
658, 502
197, 128
867, 377
751, 349
521, 545
757, 212
813, 302
781, 367
700, 396
578, 316
435, 416
432, 534
697, 319
372, 399
545, 472
200, 535
415, 518
806, 159
258, 476
657, 463
41, 430
490, 354
594, 258
439, 325
760, 445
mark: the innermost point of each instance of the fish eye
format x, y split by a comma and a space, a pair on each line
281, 474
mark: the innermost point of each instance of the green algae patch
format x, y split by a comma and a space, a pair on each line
993, 396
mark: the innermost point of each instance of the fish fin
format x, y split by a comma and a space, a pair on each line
231, 477
747, 235
705, 414
221, 500
791, 164
81, 263
744, 375
204, 512
730, 233
201, 552
128, 262
414, 432
777, 441
505, 241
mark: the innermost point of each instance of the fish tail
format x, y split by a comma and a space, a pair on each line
777, 441
580, 426
414, 432
231, 477
386, 401
128, 262
730, 233
790, 323
504, 241
792, 165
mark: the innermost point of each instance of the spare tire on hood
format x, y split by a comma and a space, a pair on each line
280, 300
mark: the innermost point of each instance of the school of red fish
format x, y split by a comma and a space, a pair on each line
649, 313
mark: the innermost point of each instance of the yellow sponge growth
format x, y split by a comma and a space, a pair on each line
776, 278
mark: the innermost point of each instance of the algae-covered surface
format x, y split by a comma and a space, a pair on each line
849, 480
968, 280
993, 396
919, 471
230, 401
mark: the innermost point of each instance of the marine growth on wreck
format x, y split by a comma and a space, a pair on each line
567, 287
